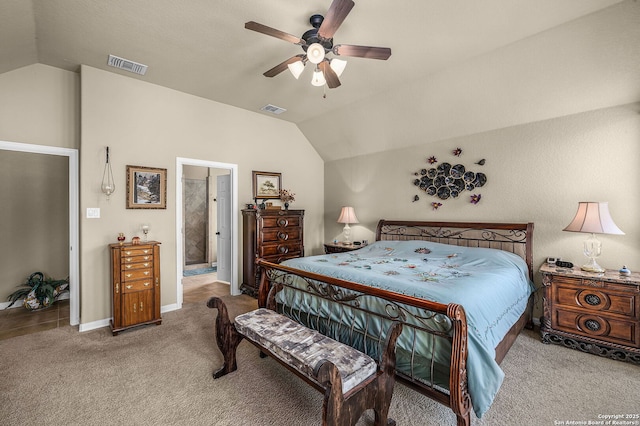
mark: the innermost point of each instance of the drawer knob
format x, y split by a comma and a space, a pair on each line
129, 287
283, 222
283, 249
592, 325
592, 299
283, 236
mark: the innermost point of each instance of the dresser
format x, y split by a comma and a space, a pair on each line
135, 285
273, 235
594, 313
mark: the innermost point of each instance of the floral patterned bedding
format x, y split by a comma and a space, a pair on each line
492, 286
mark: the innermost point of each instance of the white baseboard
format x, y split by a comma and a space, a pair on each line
94, 325
105, 322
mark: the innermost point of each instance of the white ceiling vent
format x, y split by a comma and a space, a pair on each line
273, 109
127, 65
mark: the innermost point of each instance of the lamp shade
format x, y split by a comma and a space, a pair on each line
338, 65
348, 215
318, 78
315, 53
296, 68
593, 217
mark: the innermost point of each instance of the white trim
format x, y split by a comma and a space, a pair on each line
93, 325
233, 171
169, 308
74, 244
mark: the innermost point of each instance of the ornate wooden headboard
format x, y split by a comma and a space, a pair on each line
512, 237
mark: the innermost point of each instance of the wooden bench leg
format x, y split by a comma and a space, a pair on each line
227, 337
336, 410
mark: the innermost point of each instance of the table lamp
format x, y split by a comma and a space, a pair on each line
593, 218
347, 216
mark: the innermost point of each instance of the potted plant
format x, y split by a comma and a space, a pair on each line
39, 292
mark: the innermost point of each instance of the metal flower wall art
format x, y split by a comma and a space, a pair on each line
448, 181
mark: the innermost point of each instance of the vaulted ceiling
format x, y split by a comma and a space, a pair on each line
202, 48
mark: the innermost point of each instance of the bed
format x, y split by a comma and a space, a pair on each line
462, 290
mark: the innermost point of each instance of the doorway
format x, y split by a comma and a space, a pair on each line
73, 191
207, 212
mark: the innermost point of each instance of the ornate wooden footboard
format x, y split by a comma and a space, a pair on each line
303, 296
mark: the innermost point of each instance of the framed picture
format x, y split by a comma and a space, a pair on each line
266, 185
146, 188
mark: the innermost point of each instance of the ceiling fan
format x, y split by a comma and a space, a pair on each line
317, 43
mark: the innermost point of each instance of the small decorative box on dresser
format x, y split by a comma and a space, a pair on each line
273, 235
595, 313
135, 285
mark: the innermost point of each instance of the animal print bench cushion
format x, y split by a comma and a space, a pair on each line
303, 348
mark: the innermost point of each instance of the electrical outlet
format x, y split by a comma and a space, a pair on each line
93, 213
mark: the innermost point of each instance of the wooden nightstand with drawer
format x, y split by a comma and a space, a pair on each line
594, 313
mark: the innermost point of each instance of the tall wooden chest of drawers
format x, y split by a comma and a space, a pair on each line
135, 285
595, 313
273, 235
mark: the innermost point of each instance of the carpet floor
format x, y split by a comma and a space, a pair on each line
161, 375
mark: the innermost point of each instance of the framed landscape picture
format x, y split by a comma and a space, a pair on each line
266, 185
146, 188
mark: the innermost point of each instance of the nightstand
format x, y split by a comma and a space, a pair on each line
591, 312
341, 248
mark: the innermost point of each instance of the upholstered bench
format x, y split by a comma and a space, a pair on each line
351, 381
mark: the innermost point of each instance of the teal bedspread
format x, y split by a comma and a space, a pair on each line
492, 286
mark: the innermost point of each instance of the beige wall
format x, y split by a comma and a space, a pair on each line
536, 172
148, 125
38, 105
35, 223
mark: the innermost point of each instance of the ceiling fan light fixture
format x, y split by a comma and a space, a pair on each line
338, 65
315, 53
318, 78
296, 68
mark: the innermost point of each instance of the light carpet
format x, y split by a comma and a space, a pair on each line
161, 375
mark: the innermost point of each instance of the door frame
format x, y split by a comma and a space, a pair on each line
74, 216
233, 205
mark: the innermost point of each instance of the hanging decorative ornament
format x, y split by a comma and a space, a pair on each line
108, 186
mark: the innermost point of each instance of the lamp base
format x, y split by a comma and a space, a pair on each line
346, 231
592, 266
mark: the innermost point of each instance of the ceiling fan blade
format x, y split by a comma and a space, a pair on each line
254, 26
334, 17
282, 66
362, 51
329, 74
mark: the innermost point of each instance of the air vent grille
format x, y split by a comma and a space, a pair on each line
127, 65
273, 109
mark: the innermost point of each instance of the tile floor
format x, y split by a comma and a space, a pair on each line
19, 321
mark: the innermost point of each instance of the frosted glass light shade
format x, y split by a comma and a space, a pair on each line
315, 53
296, 68
318, 78
338, 65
